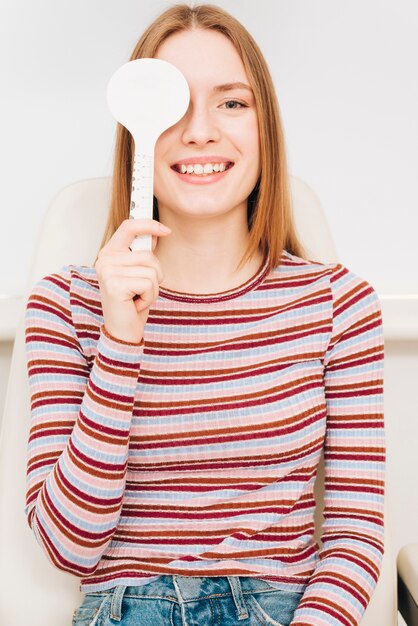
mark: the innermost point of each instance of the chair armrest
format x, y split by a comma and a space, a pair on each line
407, 566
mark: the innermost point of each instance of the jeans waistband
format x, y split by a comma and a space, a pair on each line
184, 589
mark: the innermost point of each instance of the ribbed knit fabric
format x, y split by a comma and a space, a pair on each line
195, 452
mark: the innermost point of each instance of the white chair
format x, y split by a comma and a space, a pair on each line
33, 592
407, 565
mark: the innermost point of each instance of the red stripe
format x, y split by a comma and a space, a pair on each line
276, 397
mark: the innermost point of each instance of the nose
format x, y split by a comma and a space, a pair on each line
199, 125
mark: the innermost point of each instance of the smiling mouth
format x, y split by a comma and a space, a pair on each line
202, 170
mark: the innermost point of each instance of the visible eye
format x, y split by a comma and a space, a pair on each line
233, 102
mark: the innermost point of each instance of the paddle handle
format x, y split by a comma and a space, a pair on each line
142, 194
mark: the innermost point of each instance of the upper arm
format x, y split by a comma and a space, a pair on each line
57, 373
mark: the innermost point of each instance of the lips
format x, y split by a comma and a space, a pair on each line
202, 169
209, 158
202, 165
202, 177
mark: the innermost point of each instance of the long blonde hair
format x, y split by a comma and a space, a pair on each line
269, 213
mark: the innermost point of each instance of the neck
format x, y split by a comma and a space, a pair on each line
202, 256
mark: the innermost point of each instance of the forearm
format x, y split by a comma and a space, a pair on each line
74, 512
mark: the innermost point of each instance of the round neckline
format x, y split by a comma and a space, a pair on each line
235, 292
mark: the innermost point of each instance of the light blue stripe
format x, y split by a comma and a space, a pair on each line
106, 492
69, 556
196, 330
213, 496
34, 346
267, 381
121, 424
207, 417
362, 402
100, 454
118, 388
266, 352
67, 410
249, 446
77, 522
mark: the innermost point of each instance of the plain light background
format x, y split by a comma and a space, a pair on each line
347, 83
346, 80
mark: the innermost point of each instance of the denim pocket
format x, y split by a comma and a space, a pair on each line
273, 609
90, 611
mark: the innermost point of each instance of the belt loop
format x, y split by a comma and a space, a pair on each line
235, 585
116, 606
180, 599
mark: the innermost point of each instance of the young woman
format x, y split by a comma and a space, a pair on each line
181, 398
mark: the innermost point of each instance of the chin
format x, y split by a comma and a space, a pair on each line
203, 206
202, 210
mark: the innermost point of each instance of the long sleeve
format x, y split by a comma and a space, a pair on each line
81, 414
344, 579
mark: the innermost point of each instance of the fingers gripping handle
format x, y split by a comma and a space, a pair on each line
142, 196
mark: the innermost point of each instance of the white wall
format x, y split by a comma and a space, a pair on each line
401, 428
346, 79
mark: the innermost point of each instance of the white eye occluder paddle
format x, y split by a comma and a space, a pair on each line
146, 96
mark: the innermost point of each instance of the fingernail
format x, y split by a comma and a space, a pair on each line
165, 229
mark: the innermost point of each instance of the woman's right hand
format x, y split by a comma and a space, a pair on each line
124, 274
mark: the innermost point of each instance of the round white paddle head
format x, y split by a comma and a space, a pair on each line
147, 96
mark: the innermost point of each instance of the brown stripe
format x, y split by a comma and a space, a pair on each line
219, 506
63, 528
357, 356
264, 393
111, 474
38, 299
256, 368
157, 566
189, 463
250, 312
109, 401
253, 428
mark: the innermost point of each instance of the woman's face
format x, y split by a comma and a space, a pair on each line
220, 128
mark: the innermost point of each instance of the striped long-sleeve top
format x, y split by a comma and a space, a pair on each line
195, 451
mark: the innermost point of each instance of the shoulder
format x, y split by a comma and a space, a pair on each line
340, 277
69, 279
346, 289
67, 301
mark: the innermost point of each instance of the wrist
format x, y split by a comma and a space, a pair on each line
121, 338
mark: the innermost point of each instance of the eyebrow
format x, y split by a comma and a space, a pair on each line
230, 86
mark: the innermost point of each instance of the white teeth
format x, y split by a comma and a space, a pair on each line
199, 168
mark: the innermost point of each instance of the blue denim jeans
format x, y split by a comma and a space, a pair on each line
190, 601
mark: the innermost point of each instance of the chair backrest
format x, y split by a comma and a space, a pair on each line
71, 233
